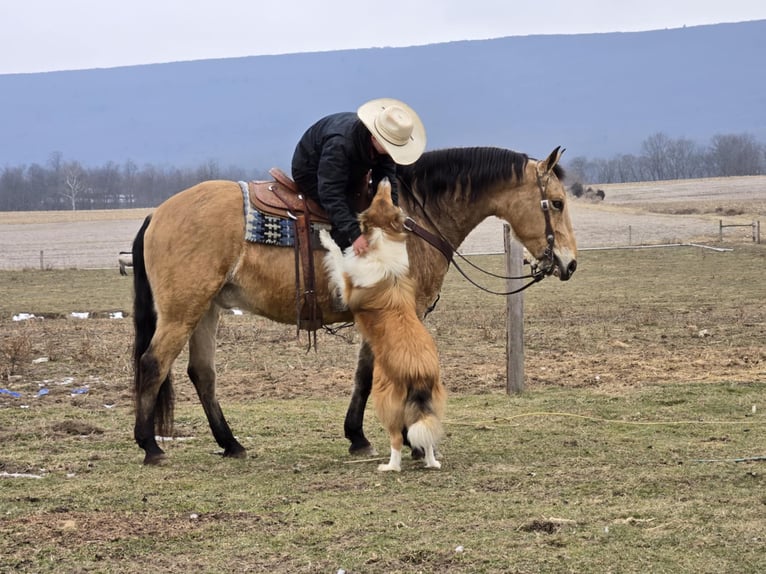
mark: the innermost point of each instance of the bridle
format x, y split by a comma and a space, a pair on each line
545, 204
539, 270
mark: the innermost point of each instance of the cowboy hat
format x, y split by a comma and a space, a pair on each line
397, 128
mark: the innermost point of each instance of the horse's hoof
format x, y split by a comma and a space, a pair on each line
155, 459
236, 452
363, 450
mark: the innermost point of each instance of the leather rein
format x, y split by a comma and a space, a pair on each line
538, 273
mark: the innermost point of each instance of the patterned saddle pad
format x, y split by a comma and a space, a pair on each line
271, 230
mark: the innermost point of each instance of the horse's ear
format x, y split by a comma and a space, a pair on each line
550, 162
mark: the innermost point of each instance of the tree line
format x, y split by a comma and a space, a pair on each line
68, 185
663, 157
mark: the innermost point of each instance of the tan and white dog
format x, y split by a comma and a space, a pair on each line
407, 392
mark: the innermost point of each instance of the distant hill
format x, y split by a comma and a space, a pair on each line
598, 95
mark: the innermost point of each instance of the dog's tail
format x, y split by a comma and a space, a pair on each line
422, 412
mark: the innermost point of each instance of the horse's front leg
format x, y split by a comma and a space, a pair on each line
355, 413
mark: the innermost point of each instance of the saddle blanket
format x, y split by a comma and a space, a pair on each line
270, 230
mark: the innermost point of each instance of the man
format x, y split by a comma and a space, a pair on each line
333, 158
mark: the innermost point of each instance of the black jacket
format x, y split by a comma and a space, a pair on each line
330, 165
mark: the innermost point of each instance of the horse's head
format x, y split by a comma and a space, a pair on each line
538, 212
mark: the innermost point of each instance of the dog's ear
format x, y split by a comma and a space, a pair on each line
364, 222
397, 223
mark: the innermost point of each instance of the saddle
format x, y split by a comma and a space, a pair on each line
282, 198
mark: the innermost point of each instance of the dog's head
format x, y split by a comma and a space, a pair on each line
383, 215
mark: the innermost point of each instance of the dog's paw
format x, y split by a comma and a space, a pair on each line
431, 461
389, 468
326, 240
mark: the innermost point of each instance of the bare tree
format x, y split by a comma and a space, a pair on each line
681, 159
628, 168
209, 170
736, 154
655, 152
73, 183
577, 169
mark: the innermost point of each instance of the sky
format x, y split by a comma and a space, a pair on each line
50, 35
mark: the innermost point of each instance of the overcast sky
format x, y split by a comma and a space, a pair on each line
45, 35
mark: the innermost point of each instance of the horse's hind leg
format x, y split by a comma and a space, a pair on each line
154, 391
201, 371
355, 413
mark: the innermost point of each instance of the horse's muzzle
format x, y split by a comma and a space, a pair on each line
564, 272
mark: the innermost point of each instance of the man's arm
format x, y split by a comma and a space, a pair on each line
333, 176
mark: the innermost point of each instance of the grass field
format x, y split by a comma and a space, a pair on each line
645, 377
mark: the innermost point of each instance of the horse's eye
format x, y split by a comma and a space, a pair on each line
558, 205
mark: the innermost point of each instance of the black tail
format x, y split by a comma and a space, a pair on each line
144, 317
145, 323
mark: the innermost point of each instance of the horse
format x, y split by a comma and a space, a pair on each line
191, 260
125, 260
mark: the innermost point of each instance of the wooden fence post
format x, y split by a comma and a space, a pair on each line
514, 266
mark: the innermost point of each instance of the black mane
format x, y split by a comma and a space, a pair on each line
441, 175
439, 172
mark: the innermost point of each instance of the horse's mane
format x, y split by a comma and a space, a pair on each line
438, 173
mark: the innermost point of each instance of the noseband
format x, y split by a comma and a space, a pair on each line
548, 255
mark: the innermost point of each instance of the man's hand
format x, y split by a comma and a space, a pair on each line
360, 245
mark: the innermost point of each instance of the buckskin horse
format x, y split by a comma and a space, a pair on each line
191, 260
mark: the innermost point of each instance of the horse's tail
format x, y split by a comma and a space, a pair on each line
421, 416
145, 323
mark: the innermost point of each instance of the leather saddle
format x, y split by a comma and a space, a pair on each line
282, 198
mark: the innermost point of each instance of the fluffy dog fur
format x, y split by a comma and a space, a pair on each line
407, 392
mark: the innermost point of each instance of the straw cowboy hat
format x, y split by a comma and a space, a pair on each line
397, 128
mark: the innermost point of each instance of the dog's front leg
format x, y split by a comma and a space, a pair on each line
333, 263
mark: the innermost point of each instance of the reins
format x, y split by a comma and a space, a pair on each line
445, 247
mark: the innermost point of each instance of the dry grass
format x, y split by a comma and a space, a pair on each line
40, 217
642, 365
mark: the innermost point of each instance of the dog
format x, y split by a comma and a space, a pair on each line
407, 392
